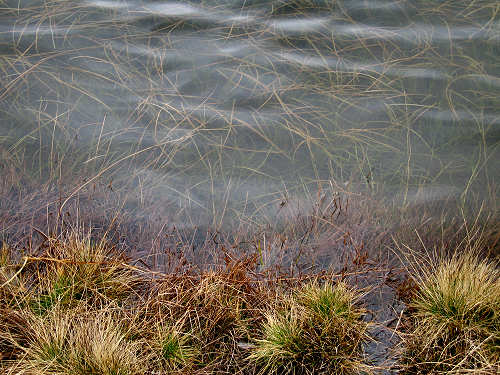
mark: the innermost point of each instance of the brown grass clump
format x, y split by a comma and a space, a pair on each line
77, 269
76, 342
11, 321
205, 321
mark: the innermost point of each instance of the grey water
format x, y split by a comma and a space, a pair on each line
216, 110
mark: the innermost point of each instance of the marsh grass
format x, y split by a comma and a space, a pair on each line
455, 313
97, 314
77, 342
174, 349
109, 124
78, 269
319, 330
210, 316
282, 344
76, 293
54, 144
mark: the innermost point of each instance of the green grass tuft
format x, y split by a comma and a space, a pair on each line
456, 317
320, 330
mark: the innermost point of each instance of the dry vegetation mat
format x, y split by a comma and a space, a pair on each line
80, 307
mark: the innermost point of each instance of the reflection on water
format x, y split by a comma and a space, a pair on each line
222, 107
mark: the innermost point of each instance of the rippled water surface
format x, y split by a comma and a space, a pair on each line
211, 110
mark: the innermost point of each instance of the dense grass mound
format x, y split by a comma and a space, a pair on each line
456, 318
319, 330
76, 342
77, 269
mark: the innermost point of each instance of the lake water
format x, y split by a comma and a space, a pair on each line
207, 111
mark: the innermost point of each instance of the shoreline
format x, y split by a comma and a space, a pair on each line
327, 245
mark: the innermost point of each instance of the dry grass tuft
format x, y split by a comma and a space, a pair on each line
455, 316
76, 342
77, 269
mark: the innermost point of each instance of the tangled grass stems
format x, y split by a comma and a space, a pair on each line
76, 342
238, 316
90, 313
342, 99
